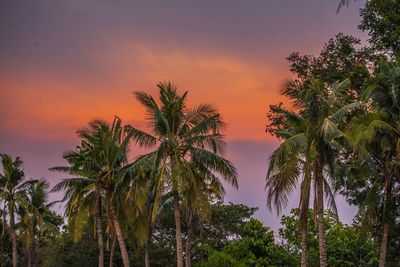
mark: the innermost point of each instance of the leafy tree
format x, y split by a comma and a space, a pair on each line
256, 247
64, 251
341, 58
381, 19
347, 245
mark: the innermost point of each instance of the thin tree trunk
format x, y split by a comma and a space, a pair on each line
323, 258
32, 249
188, 259
177, 215
383, 252
304, 203
100, 241
304, 256
13, 234
112, 252
30, 255
118, 232
147, 245
35, 246
385, 233
146, 254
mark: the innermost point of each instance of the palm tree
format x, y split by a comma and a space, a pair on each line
146, 196
182, 135
206, 187
285, 168
36, 219
102, 164
13, 194
375, 134
110, 145
82, 193
310, 143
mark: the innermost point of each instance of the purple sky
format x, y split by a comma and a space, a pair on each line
64, 63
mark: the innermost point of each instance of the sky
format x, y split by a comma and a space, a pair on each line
63, 63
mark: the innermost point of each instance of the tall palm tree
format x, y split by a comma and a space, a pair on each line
181, 135
287, 163
36, 219
102, 164
310, 143
13, 194
376, 133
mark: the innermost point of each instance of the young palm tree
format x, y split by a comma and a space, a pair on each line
13, 194
102, 164
197, 200
35, 219
182, 135
146, 197
310, 141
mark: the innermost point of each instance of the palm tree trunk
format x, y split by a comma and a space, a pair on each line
147, 244
304, 203
304, 256
118, 232
177, 215
100, 241
188, 260
385, 234
13, 234
112, 252
383, 252
323, 258
30, 255
32, 248
146, 254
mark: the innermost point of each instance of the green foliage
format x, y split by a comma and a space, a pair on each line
255, 247
65, 252
346, 245
343, 131
381, 19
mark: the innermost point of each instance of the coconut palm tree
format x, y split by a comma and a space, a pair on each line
310, 143
181, 135
375, 134
101, 165
286, 165
146, 197
82, 193
13, 194
36, 219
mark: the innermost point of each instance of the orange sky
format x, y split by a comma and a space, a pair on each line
238, 88
64, 63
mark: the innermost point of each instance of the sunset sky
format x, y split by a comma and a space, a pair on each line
63, 63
